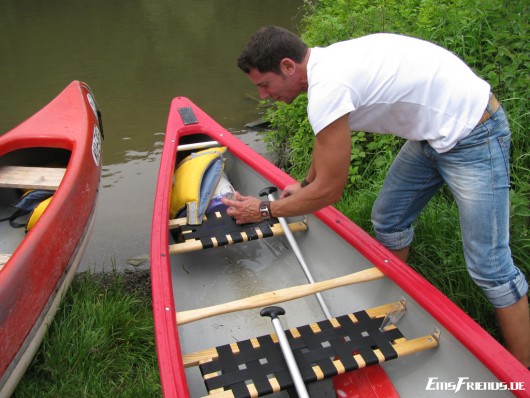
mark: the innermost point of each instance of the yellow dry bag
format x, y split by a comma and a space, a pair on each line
37, 213
195, 180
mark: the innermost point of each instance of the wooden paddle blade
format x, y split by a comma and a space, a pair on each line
278, 296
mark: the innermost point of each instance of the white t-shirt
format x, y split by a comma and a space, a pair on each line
392, 84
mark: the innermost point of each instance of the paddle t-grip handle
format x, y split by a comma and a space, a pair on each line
272, 311
268, 191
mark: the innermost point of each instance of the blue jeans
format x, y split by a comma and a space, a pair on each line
476, 171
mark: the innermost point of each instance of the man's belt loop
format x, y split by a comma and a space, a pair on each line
494, 105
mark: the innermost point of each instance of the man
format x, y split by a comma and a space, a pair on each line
456, 134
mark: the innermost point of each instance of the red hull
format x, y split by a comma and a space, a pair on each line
31, 277
486, 349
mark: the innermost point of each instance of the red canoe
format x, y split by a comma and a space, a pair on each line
57, 149
208, 291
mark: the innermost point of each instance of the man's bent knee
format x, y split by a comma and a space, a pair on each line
394, 240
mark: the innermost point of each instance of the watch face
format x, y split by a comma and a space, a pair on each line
264, 210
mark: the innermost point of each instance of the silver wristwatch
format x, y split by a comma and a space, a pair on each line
265, 209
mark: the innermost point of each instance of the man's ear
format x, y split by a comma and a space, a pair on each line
287, 66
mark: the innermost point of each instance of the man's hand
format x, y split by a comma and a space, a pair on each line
244, 209
290, 189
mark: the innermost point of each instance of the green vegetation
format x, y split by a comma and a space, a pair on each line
101, 343
492, 37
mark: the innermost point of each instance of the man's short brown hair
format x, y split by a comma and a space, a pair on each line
268, 47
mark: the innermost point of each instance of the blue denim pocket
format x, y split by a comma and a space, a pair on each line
504, 145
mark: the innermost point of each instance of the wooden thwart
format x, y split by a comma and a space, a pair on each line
31, 177
255, 367
278, 296
3, 259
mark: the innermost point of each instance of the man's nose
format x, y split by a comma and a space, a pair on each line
263, 93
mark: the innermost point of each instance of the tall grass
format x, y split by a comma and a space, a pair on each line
101, 344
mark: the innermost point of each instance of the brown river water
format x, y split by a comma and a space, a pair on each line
136, 55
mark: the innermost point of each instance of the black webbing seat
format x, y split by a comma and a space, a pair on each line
219, 225
254, 368
219, 229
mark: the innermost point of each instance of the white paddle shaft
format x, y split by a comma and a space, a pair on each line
289, 358
300, 257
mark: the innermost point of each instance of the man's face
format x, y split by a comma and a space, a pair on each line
282, 87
